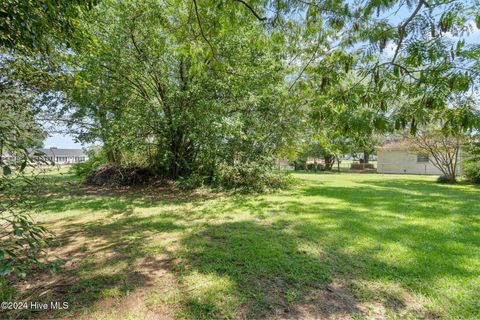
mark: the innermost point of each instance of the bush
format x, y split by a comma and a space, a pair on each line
251, 177
300, 165
191, 182
446, 179
361, 166
85, 169
471, 170
315, 167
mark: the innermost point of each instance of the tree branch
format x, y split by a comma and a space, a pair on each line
306, 65
252, 10
201, 29
404, 26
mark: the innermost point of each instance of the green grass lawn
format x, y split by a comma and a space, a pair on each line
348, 246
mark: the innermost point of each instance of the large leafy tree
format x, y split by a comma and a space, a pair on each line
411, 59
162, 81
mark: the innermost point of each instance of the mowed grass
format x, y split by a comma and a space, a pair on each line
333, 246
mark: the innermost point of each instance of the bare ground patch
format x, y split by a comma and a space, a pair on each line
110, 274
336, 301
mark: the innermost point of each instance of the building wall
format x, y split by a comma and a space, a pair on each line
402, 161
70, 159
62, 159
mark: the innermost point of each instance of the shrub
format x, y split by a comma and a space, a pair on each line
300, 165
446, 179
191, 182
251, 177
361, 166
315, 167
85, 169
472, 171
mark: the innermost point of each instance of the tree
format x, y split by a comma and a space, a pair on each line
151, 85
443, 151
21, 239
471, 158
416, 69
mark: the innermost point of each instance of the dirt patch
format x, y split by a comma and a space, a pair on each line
336, 301
333, 301
104, 274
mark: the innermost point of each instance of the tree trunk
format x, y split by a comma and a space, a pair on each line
1, 152
329, 161
111, 157
366, 156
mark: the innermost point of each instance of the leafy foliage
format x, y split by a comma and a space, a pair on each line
38, 25
22, 241
151, 87
28, 31
251, 176
471, 170
95, 160
471, 161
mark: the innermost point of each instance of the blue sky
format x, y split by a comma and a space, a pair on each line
62, 141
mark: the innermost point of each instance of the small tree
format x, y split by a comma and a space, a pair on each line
443, 151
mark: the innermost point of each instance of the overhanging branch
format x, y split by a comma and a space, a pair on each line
252, 10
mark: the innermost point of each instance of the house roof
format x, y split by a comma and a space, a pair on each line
402, 144
63, 152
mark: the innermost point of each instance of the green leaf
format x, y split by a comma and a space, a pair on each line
6, 170
23, 165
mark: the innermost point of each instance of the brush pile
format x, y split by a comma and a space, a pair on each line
115, 175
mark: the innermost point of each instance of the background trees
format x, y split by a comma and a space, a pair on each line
471, 158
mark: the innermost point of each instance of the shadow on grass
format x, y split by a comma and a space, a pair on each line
264, 268
105, 258
117, 201
418, 235
308, 245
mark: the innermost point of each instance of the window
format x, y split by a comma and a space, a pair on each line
422, 157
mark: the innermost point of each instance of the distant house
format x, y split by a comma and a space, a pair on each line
284, 165
312, 160
64, 156
397, 157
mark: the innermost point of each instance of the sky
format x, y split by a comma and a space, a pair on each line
62, 141
67, 141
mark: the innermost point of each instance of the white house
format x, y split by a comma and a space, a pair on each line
397, 157
64, 156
